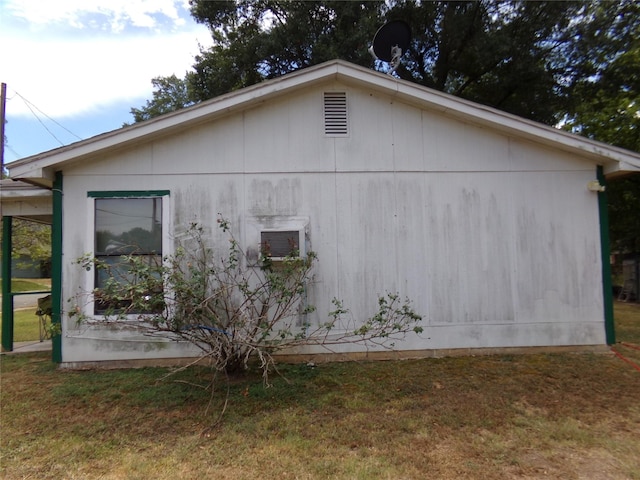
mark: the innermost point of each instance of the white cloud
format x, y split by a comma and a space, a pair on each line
66, 74
117, 13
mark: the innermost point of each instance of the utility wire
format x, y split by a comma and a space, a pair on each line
32, 106
8, 147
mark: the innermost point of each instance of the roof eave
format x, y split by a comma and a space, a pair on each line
30, 168
39, 169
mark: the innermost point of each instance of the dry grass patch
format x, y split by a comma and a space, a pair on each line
567, 416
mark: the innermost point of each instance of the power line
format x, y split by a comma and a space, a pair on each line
8, 147
31, 106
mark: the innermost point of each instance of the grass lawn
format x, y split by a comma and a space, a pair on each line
569, 416
18, 285
25, 325
627, 322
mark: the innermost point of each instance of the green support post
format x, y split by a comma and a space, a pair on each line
7, 299
607, 287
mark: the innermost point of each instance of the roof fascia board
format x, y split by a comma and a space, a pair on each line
35, 175
612, 169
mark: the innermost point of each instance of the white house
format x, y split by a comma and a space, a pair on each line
493, 225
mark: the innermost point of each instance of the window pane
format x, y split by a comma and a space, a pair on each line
118, 269
128, 225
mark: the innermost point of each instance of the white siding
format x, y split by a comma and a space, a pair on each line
496, 240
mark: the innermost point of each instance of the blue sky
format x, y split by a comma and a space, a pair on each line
74, 68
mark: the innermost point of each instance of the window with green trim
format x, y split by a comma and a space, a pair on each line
125, 229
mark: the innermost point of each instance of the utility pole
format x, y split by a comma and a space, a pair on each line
3, 107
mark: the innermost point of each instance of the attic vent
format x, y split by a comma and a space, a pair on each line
335, 114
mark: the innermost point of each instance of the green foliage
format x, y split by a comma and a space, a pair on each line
509, 55
30, 239
233, 308
624, 214
170, 93
606, 107
256, 40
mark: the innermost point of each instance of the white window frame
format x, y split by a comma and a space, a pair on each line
88, 309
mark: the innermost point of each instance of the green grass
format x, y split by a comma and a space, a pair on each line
627, 322
18, 285
564, 416
26, 325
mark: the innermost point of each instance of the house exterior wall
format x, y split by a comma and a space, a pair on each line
496, 240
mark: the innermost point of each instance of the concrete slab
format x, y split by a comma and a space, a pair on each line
29, 347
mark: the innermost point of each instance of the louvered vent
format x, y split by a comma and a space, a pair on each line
280, 244
335, 114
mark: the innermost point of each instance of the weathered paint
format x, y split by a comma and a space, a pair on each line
494, 238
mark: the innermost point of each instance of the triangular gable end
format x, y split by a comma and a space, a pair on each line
40, 169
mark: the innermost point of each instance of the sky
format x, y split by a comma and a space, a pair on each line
75, 68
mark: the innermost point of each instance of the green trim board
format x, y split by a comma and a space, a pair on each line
605, 252
56, 266
128, 193
7, 298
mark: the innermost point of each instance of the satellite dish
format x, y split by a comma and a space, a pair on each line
390, 42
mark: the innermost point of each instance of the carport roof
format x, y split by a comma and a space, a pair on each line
22, 200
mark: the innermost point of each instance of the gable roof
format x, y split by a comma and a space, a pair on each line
39, 169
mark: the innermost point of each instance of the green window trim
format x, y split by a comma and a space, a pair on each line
128, 193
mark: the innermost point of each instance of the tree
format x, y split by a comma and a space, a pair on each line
170, 94
31, 240
256, 40
518, 56
606, 102
606, 107
507, 55
235, 307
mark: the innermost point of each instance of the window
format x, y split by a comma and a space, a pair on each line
128, 225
